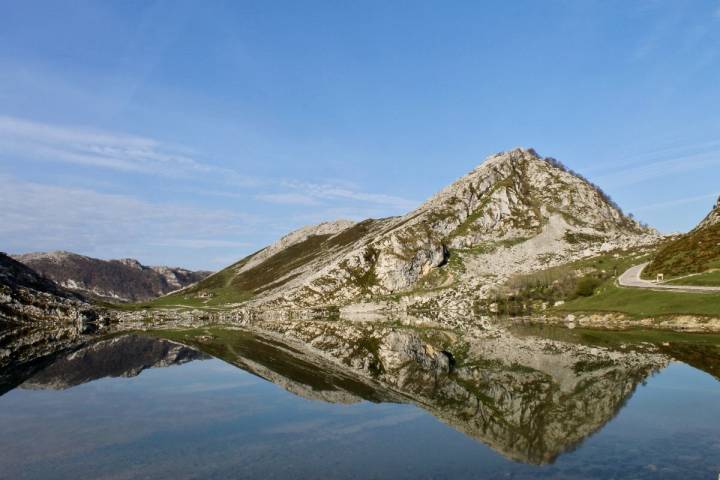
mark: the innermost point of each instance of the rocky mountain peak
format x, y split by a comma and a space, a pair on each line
515, 212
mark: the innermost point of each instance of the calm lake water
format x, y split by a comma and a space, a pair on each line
141, 407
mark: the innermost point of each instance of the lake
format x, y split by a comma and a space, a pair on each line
229, 403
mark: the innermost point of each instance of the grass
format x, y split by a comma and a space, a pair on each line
707, 279
646, 303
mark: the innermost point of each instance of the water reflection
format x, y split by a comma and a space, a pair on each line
526, 394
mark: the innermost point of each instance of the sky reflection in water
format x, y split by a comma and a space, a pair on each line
209, 419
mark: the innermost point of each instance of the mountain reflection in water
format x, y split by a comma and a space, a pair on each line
527, 394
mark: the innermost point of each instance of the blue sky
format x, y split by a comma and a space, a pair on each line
193, 133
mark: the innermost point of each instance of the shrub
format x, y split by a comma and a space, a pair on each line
586, 286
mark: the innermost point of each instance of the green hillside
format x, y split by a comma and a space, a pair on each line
695, 252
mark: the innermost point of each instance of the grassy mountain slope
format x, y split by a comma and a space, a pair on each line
695, 252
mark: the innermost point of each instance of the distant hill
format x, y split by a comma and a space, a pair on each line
695, 252
516, 212
15, 275
123, 280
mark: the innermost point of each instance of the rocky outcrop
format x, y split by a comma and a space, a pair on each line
122, 280
713, 217
28, 297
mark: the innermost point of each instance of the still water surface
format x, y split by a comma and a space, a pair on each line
105, 416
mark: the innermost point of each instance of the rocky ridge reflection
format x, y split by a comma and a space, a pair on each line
528, 397
64, 357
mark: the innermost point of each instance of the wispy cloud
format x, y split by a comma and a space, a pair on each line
327, 191
660, 168
142, 155
288, 199
202, 243
115, 151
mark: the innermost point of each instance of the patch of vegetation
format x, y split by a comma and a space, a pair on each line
639, 302
695, 252
586, 286
280, 264
228, 287
365, 279
575, 238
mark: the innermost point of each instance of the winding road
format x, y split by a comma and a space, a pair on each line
631, 278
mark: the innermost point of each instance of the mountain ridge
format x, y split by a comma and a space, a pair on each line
122, 280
